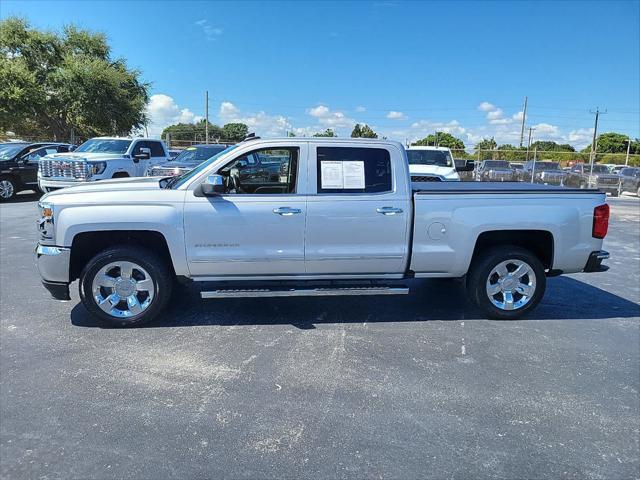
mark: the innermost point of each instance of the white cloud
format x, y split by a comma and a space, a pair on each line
581, 136
330, 119
210, 32
495, 114
360, 108
546, 130
162, 111
518, 116
486, 107
259, 122
394, 115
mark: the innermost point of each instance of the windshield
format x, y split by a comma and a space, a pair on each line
177, 181
9, 151
547, 166
196, 155
101, 145
441, 158
597, 169
496, 164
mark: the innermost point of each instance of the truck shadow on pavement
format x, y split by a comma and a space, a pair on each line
430, 300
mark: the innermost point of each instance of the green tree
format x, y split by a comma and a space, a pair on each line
363, 131
51, 82
327, 133
442, 139
549, 146
234, 132
612, 142
484, 148
193, 132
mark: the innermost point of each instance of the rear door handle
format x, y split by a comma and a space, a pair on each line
286, 211
389, 210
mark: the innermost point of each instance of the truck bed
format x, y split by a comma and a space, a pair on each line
426, 188
449, 217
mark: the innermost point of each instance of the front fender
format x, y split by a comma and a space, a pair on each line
164, 219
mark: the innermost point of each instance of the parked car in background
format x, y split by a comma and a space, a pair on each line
582, 175
617, 168
630, 180
19, 165
345, 220
431, 164
517, 169
495, 171
188, 159
465, 169
549, 173
99, 159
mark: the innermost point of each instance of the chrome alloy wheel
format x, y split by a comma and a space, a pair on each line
511, 284
6, 189
123, 289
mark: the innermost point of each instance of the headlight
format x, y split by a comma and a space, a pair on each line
96, 168
46, 210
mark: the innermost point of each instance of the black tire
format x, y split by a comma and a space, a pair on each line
8, 188
615, 193
157, 269
482, 265
638, 192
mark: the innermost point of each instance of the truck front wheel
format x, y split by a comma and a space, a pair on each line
125, 286
506, 282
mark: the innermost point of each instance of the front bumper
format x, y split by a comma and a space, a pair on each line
594, 264
53, 264
607, 188
47, 182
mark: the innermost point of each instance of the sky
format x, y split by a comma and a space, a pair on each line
406, 69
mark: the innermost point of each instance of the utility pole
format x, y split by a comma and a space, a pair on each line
531, 130
595, 137
524, 117
206, 116
626, 162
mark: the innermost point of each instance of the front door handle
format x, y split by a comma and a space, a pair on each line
389, 210
286, 211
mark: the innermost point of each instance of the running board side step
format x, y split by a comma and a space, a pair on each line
304, 292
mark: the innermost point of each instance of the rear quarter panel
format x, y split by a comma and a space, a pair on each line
447, 227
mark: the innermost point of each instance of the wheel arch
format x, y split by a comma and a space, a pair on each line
86, 245
539, 242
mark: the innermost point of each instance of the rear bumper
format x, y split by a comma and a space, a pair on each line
594, 264
53, 265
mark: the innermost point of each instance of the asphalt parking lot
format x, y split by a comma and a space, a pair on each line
389, 387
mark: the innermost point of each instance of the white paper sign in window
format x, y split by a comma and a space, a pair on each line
342, 175
331, 174
353, 174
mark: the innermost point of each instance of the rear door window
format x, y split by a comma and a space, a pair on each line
353, 170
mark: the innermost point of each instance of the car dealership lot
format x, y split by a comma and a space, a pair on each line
323, 387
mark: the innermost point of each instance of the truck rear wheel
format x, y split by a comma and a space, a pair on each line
125, 286
506, 282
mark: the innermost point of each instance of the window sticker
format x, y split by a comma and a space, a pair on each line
331, 174
353, 174
342, 175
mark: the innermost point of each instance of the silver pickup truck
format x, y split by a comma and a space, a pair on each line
331, 217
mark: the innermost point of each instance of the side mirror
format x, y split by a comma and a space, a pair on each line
212, 185
73, 147
145, 154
